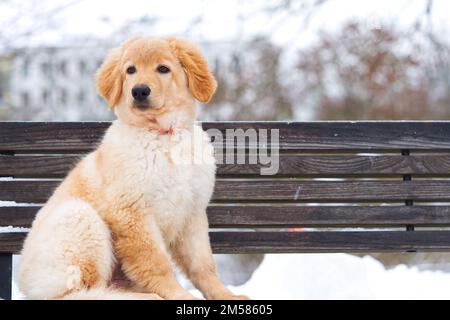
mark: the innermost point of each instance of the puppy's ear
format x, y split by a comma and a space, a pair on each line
109, 78
201, 81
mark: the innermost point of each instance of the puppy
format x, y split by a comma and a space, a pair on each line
139, 198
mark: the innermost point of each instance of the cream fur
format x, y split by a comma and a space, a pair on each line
140, 198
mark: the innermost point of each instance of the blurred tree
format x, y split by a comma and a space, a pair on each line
306, 9
250, 86
361, 73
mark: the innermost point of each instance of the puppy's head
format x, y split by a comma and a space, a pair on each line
153, 82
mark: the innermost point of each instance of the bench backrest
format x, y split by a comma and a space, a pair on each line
388, 179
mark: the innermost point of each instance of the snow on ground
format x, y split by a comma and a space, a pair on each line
341, 276
13, 229
334, 276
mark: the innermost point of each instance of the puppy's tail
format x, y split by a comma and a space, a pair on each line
109, 294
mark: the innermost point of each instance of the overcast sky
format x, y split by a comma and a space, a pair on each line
229, 20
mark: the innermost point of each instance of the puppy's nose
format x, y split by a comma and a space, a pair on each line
140, 92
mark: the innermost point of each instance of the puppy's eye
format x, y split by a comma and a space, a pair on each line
163, 69
131, 70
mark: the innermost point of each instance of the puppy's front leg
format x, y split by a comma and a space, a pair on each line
140, 249
192, 253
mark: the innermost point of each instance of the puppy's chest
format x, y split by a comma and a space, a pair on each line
161, 171
168, 180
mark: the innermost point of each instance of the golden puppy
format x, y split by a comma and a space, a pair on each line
140, 197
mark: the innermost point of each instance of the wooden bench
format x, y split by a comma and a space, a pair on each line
388, 180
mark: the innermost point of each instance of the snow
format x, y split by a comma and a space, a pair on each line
332, 276
15, 293
340, 276
10, 229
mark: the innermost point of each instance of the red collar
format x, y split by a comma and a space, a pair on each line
163, 132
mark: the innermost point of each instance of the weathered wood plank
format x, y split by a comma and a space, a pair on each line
38, 191
284, 215
37, 166
292, 165
339, 191
355, 241
361, 135
28, 166
50, 136
18, 216
298, 242
345, 135
11, 242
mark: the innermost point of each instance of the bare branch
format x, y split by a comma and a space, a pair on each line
12, 30
429, 7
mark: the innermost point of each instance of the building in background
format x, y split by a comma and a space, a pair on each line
5, 71
58, 83
55, 83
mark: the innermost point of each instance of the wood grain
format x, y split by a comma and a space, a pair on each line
51, 136
303, 242
38, 191
339, 191
298, 165
362, 135
286, 215
307, 242
347, 135
37, 166
11, 242
28, 166
35, 191
18, 216
283, 215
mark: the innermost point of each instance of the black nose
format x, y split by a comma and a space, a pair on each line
140, 93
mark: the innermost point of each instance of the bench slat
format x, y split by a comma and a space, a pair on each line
28, 166
332, 241
38, 191
50, 136
283, 216
298, 242
362, 135
292, 165
37, 166
11, 242
352, 135
18, 216
337, 191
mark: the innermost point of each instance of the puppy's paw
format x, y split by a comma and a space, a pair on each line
234, 297
154, 296
183, 295
239, 297
147, 296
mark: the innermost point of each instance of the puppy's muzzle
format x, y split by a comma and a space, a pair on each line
141, 94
